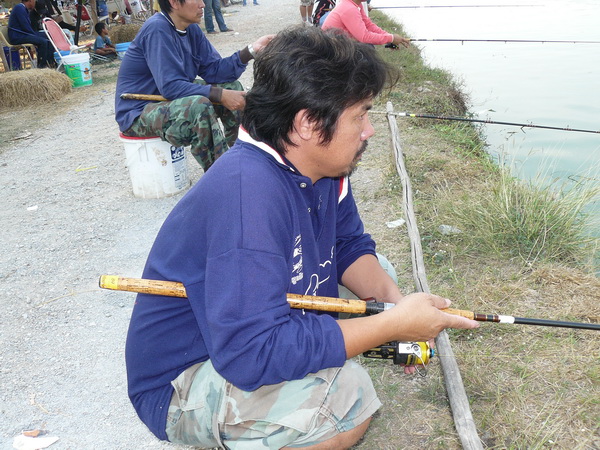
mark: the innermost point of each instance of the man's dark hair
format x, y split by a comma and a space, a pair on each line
165, 5
99, 27
323, 72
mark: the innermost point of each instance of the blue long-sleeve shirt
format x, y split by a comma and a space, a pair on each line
19, 23
250, 231
162, 61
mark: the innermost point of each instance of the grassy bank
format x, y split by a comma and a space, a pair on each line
522, 250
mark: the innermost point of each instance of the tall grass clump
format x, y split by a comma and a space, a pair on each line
532, 221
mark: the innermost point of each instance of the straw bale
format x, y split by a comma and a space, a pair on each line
30, 87
124, 33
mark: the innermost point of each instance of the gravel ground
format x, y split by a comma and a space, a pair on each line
68, 216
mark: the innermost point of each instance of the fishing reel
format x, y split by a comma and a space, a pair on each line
407, 353
391, 45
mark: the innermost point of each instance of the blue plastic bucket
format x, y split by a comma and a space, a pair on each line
16, 58
121, 49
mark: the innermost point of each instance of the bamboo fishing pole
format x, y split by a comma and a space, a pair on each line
149, 98
297, 301
492, 122
331, 304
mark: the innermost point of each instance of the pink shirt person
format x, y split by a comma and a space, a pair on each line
349, 16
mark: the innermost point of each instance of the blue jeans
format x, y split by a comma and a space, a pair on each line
210, 6
44, 47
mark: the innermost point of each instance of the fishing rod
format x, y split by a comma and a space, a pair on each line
407, 353
451, 6
331, 304
506, 41
149, 98
492, 122
297, 301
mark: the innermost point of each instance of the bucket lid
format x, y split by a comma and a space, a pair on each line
76, 58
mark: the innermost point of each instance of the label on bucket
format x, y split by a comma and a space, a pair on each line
179, 167
78, 69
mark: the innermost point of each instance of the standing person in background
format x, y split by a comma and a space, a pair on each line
255, 3
20, 31
214, 6
350, 16
306, 10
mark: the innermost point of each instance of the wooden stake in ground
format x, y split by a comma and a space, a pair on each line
459, 402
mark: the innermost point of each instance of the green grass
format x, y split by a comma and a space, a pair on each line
530, 221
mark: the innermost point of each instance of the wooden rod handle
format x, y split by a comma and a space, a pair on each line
460, 312
143, 286
148, 97
176, 289
331, 304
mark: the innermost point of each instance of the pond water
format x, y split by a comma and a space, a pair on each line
552, 84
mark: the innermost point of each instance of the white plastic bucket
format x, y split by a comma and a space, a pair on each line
78, 69
157, 168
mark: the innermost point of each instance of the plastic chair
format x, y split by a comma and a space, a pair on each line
59, 40
26, 50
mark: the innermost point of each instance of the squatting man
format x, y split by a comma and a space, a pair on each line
232, 365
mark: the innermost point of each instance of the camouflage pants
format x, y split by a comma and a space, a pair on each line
191, 121
206, 411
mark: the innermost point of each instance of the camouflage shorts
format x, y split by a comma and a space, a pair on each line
307, 2
206, 411
191, 121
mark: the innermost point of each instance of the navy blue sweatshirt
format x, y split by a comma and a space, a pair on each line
250, 231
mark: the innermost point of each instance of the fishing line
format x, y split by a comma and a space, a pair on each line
491, 122
507, 41
452, 6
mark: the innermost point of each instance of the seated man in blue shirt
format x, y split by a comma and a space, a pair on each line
166, 56
20, 31
233, 366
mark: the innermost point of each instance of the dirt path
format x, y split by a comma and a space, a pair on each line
68, 215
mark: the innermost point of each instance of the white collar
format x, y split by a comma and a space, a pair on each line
181, 32
245, 137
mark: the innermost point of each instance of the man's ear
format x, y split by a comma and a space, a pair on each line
304, 127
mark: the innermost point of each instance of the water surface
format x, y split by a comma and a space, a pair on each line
538, 83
